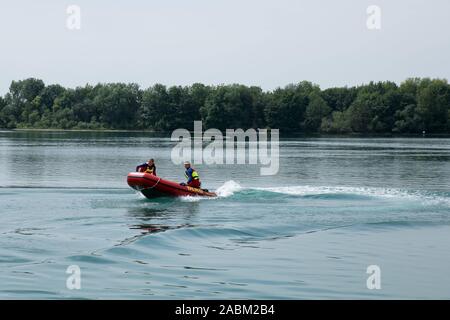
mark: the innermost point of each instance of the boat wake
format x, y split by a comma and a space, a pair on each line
228, 189
343, 192
234, 189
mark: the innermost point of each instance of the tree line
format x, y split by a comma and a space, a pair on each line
414, 106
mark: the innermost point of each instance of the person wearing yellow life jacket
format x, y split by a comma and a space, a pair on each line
193, 180
148, 167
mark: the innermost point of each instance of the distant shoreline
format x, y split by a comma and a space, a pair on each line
285, 135
76, 130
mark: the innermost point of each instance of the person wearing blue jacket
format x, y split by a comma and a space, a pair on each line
193, 180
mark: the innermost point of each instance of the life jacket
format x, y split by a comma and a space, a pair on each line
194, 175
149, 169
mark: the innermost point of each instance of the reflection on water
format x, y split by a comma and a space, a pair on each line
164, 206
164, 212
153, 228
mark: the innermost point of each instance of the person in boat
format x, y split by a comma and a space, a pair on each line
193, 180
147, 167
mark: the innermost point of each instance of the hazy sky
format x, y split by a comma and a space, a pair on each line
268, 43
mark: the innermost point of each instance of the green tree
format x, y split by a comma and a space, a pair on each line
184, 112
360, 114
26, 90
48, 96
286, 107
63, 119
229, 107
155, 112
407, 120
118, 104
316, 110
337, 123
433, 103
339, 99
19, 100
259, 101
3, 120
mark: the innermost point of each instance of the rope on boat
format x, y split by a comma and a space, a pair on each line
153, 185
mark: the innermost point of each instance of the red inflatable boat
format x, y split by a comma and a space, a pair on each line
153, 186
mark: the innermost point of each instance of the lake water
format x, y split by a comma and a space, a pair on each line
337, 206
